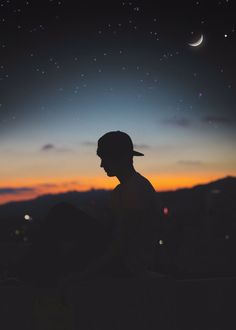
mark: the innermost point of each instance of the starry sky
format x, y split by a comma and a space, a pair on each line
71, 71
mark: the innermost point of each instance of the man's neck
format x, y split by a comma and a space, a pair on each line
126, 174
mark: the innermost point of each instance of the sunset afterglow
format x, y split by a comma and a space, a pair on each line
70, 72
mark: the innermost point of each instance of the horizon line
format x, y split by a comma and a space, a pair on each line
26, 198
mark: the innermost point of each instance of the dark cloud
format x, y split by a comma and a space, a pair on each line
48, 185
217, 119
47, 147
55, 185
52, 147
15, 191
89, 144
141, 146
180, 122
190, 162
35, 189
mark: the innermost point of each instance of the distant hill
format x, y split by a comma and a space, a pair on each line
39, 206
216, 196
182, 201
223, 184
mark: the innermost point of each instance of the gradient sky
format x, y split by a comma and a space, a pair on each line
71, 72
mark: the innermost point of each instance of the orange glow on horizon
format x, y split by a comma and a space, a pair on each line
56, 186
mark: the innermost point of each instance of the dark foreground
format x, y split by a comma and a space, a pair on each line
194, 304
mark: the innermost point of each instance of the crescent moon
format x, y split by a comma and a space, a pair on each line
198, 42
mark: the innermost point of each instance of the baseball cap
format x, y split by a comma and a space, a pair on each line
116, 143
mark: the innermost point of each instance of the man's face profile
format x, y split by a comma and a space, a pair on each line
109, 164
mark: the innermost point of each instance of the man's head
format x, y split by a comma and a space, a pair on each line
116, 152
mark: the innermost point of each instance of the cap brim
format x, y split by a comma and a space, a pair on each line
136, 153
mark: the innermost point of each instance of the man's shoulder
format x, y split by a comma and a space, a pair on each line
136, 186
116, 189
142, 182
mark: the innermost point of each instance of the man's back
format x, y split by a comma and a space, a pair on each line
136, 217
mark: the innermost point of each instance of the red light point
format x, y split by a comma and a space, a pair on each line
166, 211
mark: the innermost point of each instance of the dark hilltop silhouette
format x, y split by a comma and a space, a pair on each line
181, 200
198, 226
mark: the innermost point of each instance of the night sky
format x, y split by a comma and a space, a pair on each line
71, 71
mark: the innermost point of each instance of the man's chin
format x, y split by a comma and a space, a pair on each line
110, 174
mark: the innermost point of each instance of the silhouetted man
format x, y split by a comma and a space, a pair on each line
135, 213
